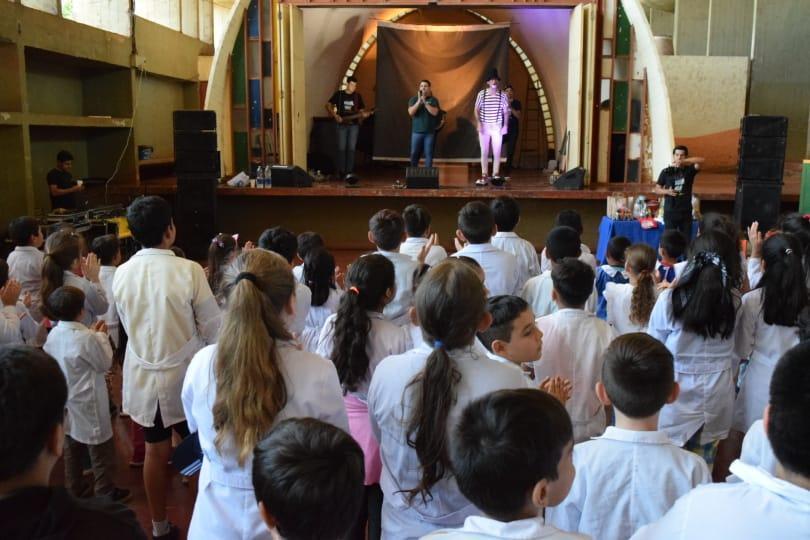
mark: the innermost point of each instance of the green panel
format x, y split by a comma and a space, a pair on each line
238, 73
619, 106
622, 33
804, 197
240, 152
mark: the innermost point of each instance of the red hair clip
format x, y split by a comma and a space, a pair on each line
355, 290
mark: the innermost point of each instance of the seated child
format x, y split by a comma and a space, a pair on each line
671, 248
569, 218
574, 341
417, 227
11, 332
762, 505
108, 250
25, 262
511, 457
612, 272
284, 243
306, 241
629, 304
308, 479
636, 464
506, 211
319, 276
221, 251
85, 356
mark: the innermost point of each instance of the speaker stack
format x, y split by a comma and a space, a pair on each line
196, 164
759, 170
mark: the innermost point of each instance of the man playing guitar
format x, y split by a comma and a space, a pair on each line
348, 110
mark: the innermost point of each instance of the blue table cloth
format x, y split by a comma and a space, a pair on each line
609, 228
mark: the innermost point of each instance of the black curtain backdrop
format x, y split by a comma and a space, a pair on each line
456, 60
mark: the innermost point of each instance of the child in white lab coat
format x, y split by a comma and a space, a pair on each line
10, 324
25, 262
319, 276
612, 272
85, 356
629, 304
221, 251
574, 341
569, 218
511, 455
415, 400
308, 479
696, 320
235, 391
417, 228
283, 242
306, 241
637, 464
476, 225
561, 242
356, 339
506, 211
761, 505
108, 250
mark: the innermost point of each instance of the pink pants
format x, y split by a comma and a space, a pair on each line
360, 428
490, 133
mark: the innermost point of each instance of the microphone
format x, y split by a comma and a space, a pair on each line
420, 93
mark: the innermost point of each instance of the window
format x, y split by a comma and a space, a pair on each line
110, 15
163, 12
42, 5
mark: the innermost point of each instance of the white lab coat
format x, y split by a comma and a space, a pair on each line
105, 277
17, 326
85, 357
764, 344
626, 479
501, 271
316, 318
413, 245
573, 344
586, 256
757, 450
95, 299
388, 398
303, 300
481, 528
25, 266
537, 292
169, 313
523, 250
754, 271
10, 332
384, 339
226, 504
298, 273
704, 368
618, 297
404, 269
761, 506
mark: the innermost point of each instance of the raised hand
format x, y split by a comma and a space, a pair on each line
558, 387
91, 267
99, 326
433, 239
755, 239
10, 292
459, 241
248, 246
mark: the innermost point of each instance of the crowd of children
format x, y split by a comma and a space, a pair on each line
493, 393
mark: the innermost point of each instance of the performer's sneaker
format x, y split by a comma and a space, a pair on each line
481, 182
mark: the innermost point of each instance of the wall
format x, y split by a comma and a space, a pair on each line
159, 97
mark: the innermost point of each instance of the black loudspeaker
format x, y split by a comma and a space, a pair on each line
196, 161
195, 140
762, 147
290, 176
757, 201
195, 120
196, 215
422, 177
573, 179
763, 126
195, 144
760, 170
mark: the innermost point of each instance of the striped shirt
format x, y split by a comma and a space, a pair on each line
491, 106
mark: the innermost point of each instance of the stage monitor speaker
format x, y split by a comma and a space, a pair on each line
757, 201
195, 120
290, 176
196, 215
197, 161
195, 140
763, 126
422, 177
573, 179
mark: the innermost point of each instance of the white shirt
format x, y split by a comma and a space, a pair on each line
298, 273
226, 505
316, 318
573, 344
303, 301
169, 313
761, 506
480, 528
704, 369
754, 271
585, 256
404, 269
384, 339
764, 344
537, 292
413, 245
618, 297
18, 327
25, 266
105, 277
626, 479
523, 250
501, 271
10, 333
95, 299
84, 357
388, 398
757, 450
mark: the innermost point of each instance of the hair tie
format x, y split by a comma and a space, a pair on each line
355, 290
246, 275
438, 344
218, 242
788, 251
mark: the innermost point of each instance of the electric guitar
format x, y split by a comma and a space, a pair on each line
356, 116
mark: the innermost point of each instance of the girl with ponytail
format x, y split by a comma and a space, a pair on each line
629, 304
356, 339
318, 274
236, 390
64, 265
223, 249
415, 400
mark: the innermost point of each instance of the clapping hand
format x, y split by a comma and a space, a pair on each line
91, 267
248, 246
99, 326
755, 239
433, 240
558, 387
459, 241
10, 292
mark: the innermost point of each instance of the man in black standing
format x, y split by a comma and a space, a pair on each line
62, 186
675, 182
346, 107
511, 137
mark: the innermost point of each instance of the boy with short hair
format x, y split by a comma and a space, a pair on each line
85, 356
573, 344
762, 505
25, 262
307, 241
417, 228
511, 455
506, 212
108, 250
308, 478
569, 218
671, 248
33, 395
611, 272
633, 461
386, 230
476, 225
280, 240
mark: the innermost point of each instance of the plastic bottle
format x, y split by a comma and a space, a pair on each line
268, 176
259, 177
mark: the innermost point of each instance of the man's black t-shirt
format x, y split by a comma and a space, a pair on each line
347, 104
513, 120
681, 180
62, 180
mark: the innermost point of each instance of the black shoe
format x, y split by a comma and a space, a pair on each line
120, 495
173, 534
